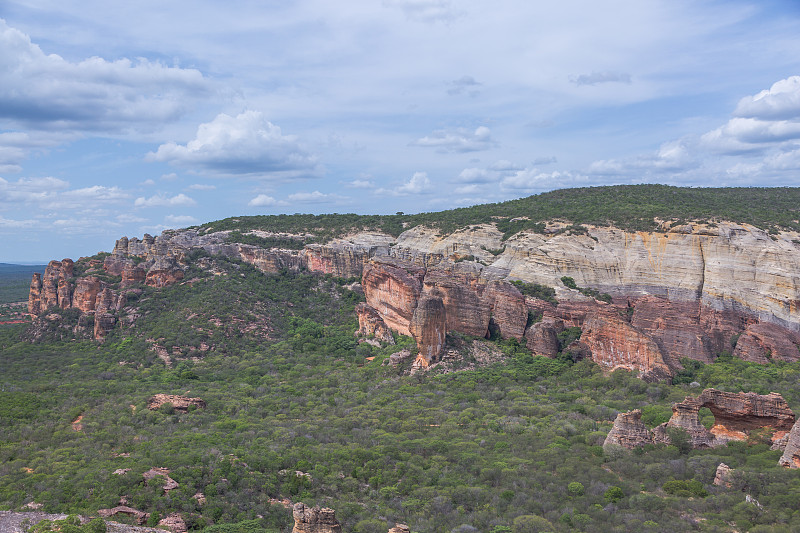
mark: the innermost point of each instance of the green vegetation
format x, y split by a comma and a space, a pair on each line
510, 446
15, 281
541, 292
593, 293
630, 207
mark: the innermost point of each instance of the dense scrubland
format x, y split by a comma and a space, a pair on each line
296, 411
629, 207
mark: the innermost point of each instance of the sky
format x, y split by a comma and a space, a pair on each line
131, 118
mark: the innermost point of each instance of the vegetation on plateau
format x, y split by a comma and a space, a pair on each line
630, 207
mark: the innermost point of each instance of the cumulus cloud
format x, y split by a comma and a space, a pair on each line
7, 223
264, 200
476, 175
596, 78
532, 180
779, 102
247, 144
162, 200
459, 140
418, 184
94, 95
53, 193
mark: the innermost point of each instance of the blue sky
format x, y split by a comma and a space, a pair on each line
124, 119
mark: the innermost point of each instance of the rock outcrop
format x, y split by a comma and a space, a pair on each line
400, 528
163, 473
723, 476
314, 520
736, 416
614, 343
791, 453
393, 289
429, 328
628, 431
542, 337
370, 324
179, 403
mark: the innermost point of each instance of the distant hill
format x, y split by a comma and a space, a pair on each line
15, 281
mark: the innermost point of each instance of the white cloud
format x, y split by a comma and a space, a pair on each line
201, 187
93, 95
316, 197
418, 184
6, 223
476, 175
148, 182
169, 177
161, 200
54, 193
531, 180
779, 102
361, 184
247, 144
459, 140
263, 200
601, 77
180, 220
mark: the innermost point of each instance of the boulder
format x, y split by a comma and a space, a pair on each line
542, 337
628, 431
723, 476
314, 519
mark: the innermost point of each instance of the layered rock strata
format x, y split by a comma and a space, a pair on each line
314, 520
428, 326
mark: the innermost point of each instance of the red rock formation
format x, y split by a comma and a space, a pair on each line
542, 337
629, 431
400, 528
164, 271
114, 264
791, 453
370, 324
86, 292
393, 288
508, 308
35, 295
132, 274
614, 343
55, 291
429, 327
337, 259
736, 416
179, 403
764, 342
461, 291
674, 326
314, 520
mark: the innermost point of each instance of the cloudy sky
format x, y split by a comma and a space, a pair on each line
126, 118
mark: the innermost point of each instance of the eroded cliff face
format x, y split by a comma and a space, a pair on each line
694, 291
628, 431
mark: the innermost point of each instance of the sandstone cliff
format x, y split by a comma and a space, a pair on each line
628, 431
694, 291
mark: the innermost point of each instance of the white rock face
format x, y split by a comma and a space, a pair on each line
729, 266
